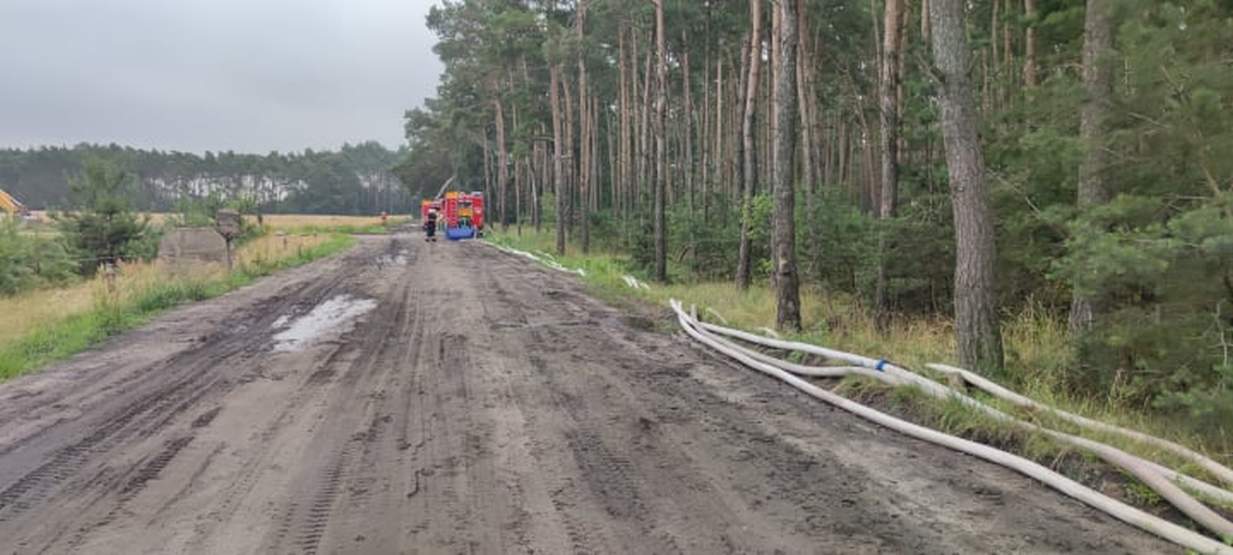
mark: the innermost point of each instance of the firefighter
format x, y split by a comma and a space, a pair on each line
430, 225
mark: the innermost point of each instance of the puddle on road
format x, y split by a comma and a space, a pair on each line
399, 259
336, 315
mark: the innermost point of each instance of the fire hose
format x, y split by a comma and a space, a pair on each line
1157, 477
704, 333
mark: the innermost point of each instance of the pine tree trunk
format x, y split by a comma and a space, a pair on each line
571, 159
584, 138
558, 153
1093, 131
1008, 55
594, 157
613, 164
736, 119
688, 117
537, 184
647, 147
772, 126
622, 179
994, 58
888, 92
772, 119
636, 132
749, 149
518, 194
661, 154
843, 160
586, 177
808, 177
517, 179
502, 162
1030, 79
488, 192
788, 312
976, 324
704, 137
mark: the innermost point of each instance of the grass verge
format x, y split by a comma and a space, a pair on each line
140, 292
1038, 355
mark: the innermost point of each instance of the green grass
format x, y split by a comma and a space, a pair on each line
62, 339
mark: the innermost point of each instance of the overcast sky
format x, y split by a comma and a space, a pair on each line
196, 75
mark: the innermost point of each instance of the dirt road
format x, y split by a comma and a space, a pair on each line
414, 398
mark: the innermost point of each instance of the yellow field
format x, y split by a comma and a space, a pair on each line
300, 221
34, 309
277, 221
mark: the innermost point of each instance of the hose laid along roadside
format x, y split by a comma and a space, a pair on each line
546, 260
902, 376
1222, 472
1155, 476
1165, 529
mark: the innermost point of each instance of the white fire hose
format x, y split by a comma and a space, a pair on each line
883, 371
902, 376
546, 260
1224, 473
1159, 478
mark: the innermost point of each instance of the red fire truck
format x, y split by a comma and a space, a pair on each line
461, 215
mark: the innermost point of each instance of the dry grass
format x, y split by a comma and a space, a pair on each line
269, 248
40, 308
299, 221
274, 221
34, 308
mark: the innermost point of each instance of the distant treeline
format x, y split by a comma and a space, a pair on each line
355, 179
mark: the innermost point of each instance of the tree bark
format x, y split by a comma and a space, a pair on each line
647, 148
736, 120
502, 162
808, 176
772, 125
1030, 79
558, 153
596, 165
889, 100
749, 164
788, 311
571, 159
661, 139
517, 179
1094, 131
518, 194
705, 143
584, 137
613, 165
625, 135
488, 186
994, 58
638, 129
539, 182
976, 325
688, 116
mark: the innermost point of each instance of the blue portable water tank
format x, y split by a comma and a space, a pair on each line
460, 232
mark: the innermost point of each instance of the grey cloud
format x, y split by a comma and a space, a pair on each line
246, 75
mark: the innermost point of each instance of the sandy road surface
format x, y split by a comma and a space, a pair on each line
481, 404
